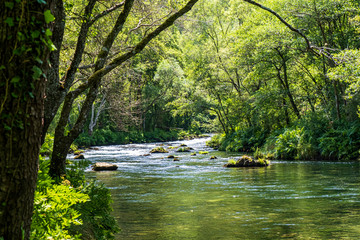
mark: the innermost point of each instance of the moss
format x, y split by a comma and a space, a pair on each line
247, 161
159, 150
185, 149
203, 152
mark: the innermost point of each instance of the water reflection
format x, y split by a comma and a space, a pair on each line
196, 198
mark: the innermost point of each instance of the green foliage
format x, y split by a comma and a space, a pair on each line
240, 141
288, 143
215, 141
53, 207
109, 137
341, 142
96, 213
73, 209
47, 146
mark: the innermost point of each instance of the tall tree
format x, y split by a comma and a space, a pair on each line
25, 44
63, 136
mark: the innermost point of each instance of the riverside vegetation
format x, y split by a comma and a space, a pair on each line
280, 79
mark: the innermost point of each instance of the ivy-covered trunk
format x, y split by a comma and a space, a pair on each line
24, 47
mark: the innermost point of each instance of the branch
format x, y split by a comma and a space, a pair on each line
282, 20
80, 46
98, 74
106, 12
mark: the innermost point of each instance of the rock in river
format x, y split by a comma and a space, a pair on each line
247, 161
79, 156
103, 166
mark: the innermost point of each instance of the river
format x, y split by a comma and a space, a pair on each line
197, 198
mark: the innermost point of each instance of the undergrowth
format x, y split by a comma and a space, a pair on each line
72, 209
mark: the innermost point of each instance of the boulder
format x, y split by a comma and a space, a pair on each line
80, 156
158, 150
185, 149
103, 166
246, 161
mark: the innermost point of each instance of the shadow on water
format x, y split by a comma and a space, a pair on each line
196, 198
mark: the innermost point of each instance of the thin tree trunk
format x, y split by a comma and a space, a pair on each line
54, 91
285, 83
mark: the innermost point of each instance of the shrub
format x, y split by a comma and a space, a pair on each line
73, 209
288, 143
341, 143
53, 207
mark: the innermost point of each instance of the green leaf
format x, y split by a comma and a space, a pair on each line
14, 95
2, 67
9, 21
41, 1
48, 32
6, 127
39, 60
15, 79
31, 94
51, 45
9, 5
37, 72
35, 34
48, 16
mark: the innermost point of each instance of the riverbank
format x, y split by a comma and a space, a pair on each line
304, 140
103, 137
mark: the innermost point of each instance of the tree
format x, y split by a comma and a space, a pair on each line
25, 44
63, 136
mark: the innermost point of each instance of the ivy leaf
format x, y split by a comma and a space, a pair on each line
9, 5
37, 72
7, 127
39, 60
48, 16
15, 79
9, 21
48, 32
51, 45
35, 34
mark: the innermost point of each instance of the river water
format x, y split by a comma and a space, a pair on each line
197, 198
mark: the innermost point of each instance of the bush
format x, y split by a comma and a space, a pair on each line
53, 207
73, 209
341, 143
243, 140
288, 143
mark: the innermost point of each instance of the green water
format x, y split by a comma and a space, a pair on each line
196, 198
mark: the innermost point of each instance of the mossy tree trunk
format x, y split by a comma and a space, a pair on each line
24, 48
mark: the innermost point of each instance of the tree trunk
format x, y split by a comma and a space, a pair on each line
22, 87
55, 93
285, 83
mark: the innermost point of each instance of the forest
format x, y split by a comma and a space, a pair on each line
275, 78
